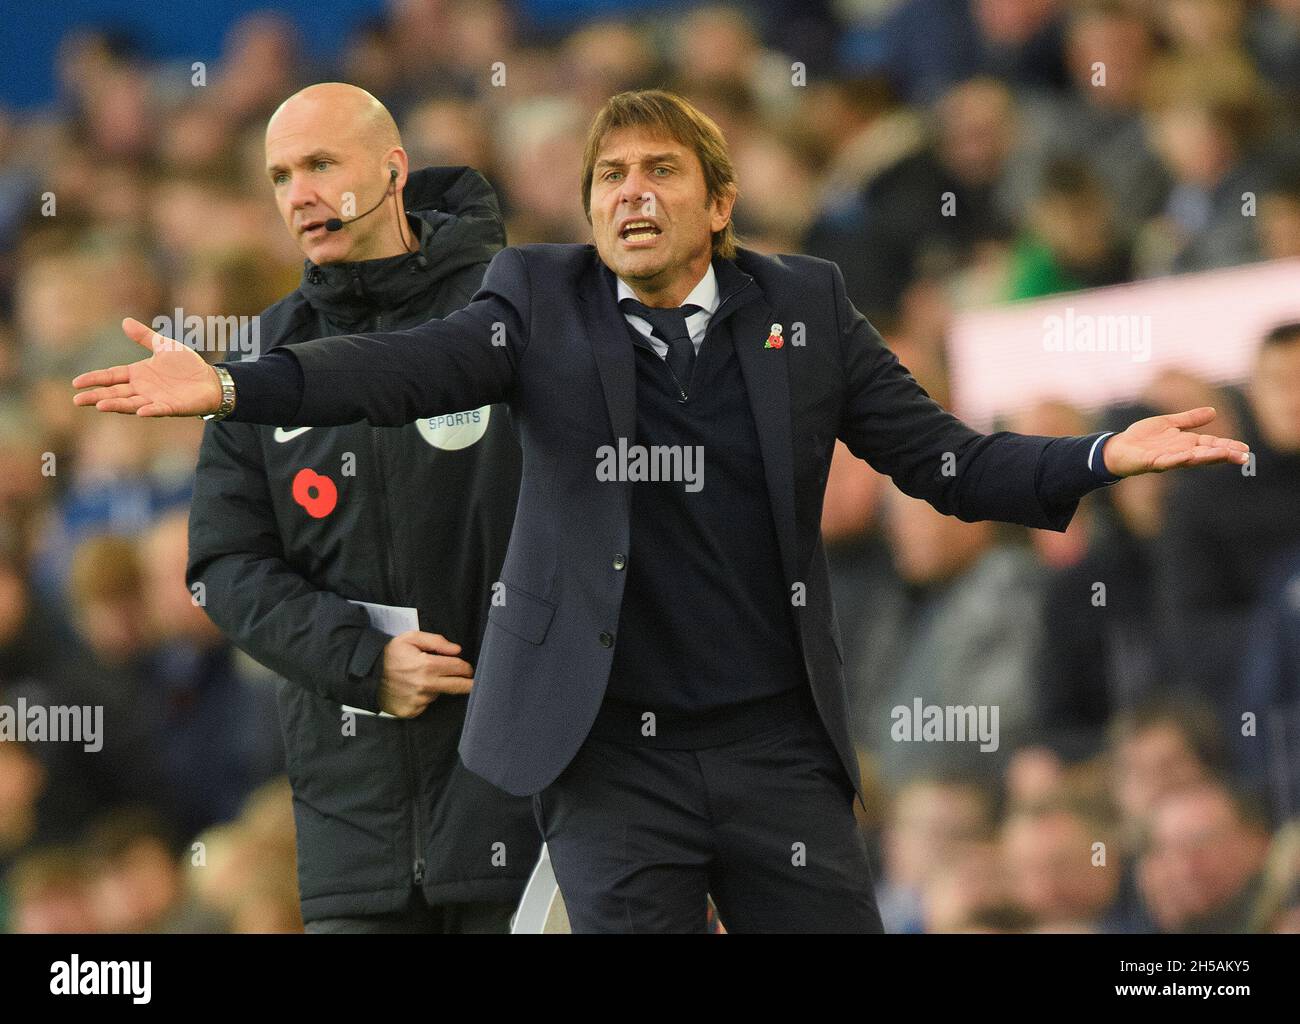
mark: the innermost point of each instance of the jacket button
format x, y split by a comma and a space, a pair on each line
619, 561
606, 639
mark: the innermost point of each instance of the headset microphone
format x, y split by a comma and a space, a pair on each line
334, 224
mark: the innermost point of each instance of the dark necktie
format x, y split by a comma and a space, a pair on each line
669, 326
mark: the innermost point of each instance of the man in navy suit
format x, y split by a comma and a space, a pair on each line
662, 666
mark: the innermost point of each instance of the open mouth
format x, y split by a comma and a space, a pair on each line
638, 231
311, 226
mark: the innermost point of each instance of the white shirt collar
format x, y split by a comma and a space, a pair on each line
704, 294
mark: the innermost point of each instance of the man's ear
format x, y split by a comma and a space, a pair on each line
395, 160
722, 207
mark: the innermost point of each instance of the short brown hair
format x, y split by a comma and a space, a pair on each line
1228, 89
105, 567
678, 119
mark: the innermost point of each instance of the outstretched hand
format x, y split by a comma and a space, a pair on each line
174, 381
1158, 443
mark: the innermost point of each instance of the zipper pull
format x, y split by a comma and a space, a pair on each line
419, 871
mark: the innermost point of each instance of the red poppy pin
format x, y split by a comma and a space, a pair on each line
774, 339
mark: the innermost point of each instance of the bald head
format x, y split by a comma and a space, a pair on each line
341, 110
333, 152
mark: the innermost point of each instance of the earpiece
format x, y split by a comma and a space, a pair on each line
337, 224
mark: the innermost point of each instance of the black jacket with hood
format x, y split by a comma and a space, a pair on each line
288, 526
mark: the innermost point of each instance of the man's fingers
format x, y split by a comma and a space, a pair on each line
1217, 449
1215, 453
431, 643
1201, 455
99, 379
1210, 441
454, 684
445, 666
127, 405
138, 332
146, 337
99, 394
1192, 418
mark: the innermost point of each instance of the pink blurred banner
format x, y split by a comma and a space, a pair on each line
1101, 346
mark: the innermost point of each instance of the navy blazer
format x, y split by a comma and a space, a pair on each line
545, 335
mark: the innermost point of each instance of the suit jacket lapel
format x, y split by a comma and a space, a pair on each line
767, 383
607, 334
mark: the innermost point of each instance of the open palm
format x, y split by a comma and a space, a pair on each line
174, 381
1158, 443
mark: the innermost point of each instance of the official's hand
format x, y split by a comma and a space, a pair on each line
174, 381
417, 667
1158, 443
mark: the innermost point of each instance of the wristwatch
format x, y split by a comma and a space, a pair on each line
227, 405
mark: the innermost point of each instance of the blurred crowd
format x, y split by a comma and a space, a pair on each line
1148, 763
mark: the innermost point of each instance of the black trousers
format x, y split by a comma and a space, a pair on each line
418, 918
638, 836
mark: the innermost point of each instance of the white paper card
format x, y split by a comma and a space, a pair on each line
391, 619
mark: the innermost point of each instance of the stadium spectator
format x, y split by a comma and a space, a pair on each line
134, 880
218, 728
930, 822
956, 630
1063, 868
1163, 745
1110, 49
1227, 527
1099, 650
1206, 119
1071, 242
48, 893
931, 212
1267, 740
1203, 870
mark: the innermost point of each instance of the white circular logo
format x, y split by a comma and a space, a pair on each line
455, 430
